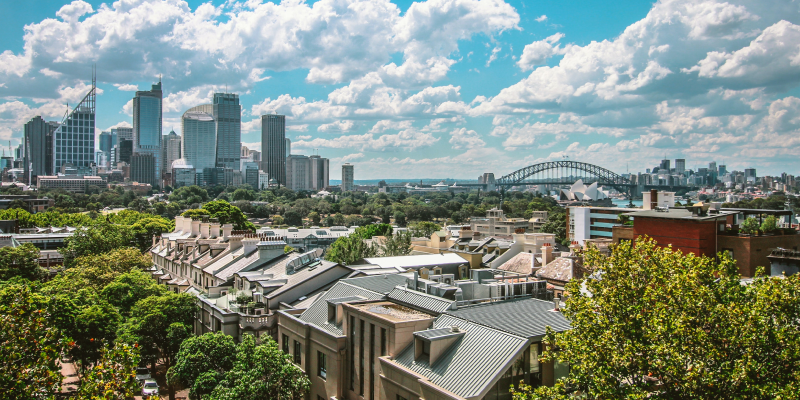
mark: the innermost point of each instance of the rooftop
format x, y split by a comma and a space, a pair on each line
526, 317
391, 311
401, 263
680, 213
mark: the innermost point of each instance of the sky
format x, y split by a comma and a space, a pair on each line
436, 88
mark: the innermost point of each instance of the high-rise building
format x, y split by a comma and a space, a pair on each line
124, 151
171, 145
320, 171
680, 165
108, 140
273, 147
143, 167
298, 172
664, 167
723, 170
228, 117
38, 157
348, 185
147, 115
251, 174
73, 140
288, 150
198, 144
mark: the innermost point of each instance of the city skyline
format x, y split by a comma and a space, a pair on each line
493, 87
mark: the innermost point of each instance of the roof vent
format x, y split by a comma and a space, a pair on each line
455, 329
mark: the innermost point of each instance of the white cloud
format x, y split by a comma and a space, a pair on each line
125, 87
387, 124
538, 52
408, 139
541, 18
338, 126
493, 56
461, 138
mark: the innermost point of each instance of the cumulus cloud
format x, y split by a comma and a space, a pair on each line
409, 139
465, 139
541, 18
538, 52
126, 87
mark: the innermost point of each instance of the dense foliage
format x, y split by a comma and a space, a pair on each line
651, 322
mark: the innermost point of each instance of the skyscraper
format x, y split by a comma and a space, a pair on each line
320, 172
680, 165
664, 167
723, 169
228, 117
38, 148
73, 140
348, 185
273, 146
288, 147
107, 141
198, 144
147, 128
298, 172
172, 150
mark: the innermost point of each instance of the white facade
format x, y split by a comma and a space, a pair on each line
662, 200
348, 184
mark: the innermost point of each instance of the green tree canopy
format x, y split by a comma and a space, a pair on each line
30, 347
210, 353
189, 195
225, 213
114, 377
770, 224
262, 372
100, 238
127, 289
348, 250
20, 262
423, 229
398, 244
750, 225
662, 324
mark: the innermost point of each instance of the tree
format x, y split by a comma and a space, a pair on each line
189, 195
114, 377
262, 372
208, 356
98, 270
144, 230
277, 220
225, 213
314, 217
770, 224
157, 323
94, 327
287, 249
101, 238
30, 347
127, 289
293, 218
400, 218
557, 224
750, 225
348, 250
398, 244
243, 194
20, 262
423, 229
663, 324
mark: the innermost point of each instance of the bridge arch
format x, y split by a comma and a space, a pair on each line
563, 171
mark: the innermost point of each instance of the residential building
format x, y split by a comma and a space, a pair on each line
32, 203
74, 138
228, 118
273, 147
307, 238
496, 223
401, 337
537, 221
654, 199
348, 184
70, 183
592, 222
38, 149
448, 263
147, 118
784, 262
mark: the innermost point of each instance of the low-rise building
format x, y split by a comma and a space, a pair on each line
496, 223
308, 238
70, 183
592, 222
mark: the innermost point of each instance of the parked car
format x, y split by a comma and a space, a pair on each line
142, 374
150, 388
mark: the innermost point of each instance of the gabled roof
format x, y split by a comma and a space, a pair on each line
473, 363
525, 317
560, 269
521, 263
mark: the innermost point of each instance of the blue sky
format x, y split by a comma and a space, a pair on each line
441, 88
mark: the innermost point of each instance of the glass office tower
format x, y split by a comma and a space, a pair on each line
227, 114
147, 117
198, 144
274, 147
73, 140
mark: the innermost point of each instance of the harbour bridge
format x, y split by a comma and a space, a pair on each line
560, 173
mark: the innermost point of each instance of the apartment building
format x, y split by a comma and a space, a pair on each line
592, 222
378, 338
496, 223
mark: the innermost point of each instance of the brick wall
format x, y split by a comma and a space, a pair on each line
697, 237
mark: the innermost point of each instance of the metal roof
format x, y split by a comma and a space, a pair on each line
370, 288
526, 317
435, 334
473, 363
420, 300
406, 262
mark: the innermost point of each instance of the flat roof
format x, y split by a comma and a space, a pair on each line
758, 211
405, 262
392, 311
679, 213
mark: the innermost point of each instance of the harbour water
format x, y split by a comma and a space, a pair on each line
625, 202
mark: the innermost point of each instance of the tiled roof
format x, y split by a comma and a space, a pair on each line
560, 269
521, 263
473, 363
420, 300
525, 317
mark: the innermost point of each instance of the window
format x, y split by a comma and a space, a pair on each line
285, 343
322, 365
297, 348
383, 341
361, 359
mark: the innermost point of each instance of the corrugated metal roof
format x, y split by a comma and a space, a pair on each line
440, 333
524, 317
421, 300
472, 363
379, 283
406, 262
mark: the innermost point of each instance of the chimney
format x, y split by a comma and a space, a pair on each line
234, 243
270, 250
195, 224
226, 230
653, 199
547, 253
154, 239
178, 224
249, 244
205, 232
187, 225
214, 229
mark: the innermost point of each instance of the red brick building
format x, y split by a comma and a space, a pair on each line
684, 230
